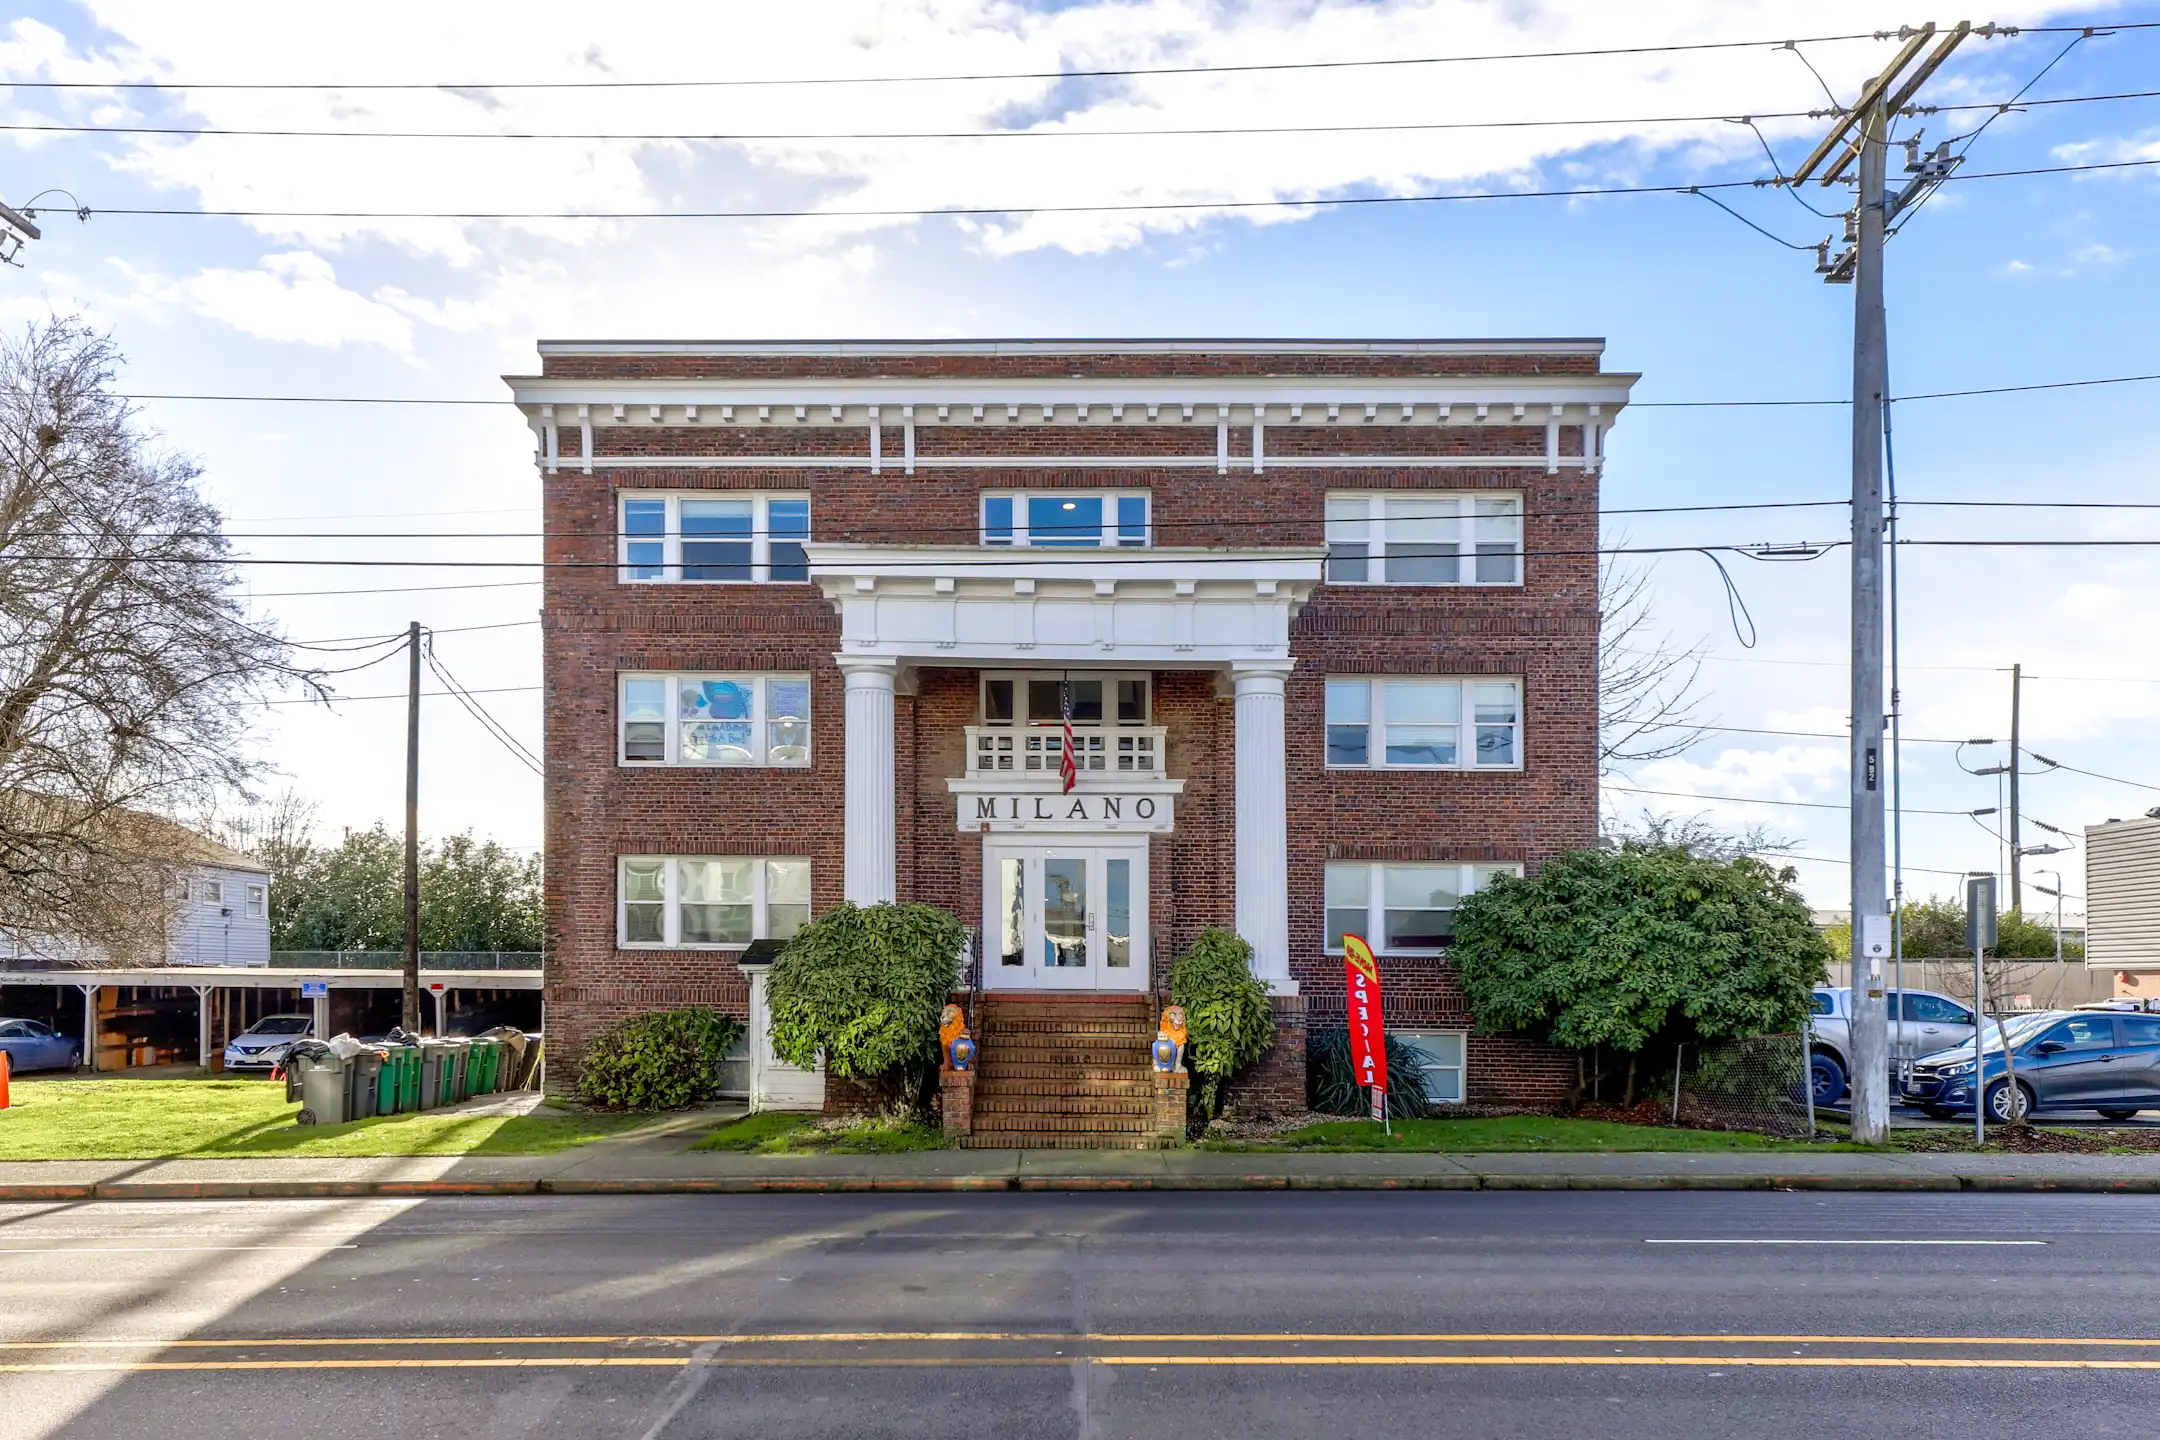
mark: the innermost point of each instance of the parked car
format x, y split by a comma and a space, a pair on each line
1921, 1022
34, 1045
262, 1045
2066, 1060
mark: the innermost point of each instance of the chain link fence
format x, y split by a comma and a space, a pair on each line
1758, 1084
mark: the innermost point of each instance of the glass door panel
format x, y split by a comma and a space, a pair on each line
1117, 913
1011, 916
1066, 917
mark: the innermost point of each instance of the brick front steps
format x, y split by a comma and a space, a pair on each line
1064, 1072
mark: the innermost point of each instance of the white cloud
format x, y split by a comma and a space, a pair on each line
292, 297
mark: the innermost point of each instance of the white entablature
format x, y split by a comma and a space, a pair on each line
1172, 607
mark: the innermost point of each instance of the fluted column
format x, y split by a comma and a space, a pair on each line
871, 855
1263, 807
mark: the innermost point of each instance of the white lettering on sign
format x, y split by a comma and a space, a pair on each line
1150, 813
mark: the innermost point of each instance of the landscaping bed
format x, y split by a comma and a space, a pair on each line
124, 1119
775, 1132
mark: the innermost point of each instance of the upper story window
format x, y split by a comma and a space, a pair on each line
703, 719
258, 897
1022, 700
1379, 722
1090, 519
1022, 727
709, 536
213, 892
1425, 537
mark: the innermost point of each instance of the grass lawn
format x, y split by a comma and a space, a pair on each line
1513, 1134
774, 1132
209, 1119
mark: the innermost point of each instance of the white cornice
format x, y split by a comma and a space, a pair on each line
1562, 345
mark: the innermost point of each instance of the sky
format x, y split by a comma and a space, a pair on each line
2018, 280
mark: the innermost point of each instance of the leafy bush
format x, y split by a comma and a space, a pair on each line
662, 1061
1641, 948
1331, 1084
861, 987
1934, 929
1228, 1020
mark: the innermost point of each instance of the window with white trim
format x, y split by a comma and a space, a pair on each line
258, 897
1401, 909
712, 536
703, 901
1438, 1055
1412, 722
1425, 537
1078, 519
713, 719
213, 892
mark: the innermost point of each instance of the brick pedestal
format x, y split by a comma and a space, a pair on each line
956, 1101
1170, 1091
1275, 1084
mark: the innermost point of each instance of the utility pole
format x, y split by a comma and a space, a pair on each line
2017, 868
409, 1010
15, 227
1861, 134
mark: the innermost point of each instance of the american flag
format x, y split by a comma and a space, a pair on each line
1068, 766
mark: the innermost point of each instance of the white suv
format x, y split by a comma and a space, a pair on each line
1921, 1022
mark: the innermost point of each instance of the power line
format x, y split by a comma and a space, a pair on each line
1996, 107
1126, 207
389, 590
2113, 779
503, 406
1754, 800
445, 630
767, 82
480, 713
399, 695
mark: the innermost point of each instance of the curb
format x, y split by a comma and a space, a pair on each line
1038, 1184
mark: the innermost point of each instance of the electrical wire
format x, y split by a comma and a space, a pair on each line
501, 405
1974, 138
740, 137
1755, 800
2112, 779
401, 695
487, 721
767, 82
1767, 235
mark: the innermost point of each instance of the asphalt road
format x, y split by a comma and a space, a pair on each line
1251, 1315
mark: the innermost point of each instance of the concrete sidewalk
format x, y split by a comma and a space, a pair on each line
654, 1169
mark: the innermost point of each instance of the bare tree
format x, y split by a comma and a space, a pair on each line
127, 660
1649, 707
1698, 836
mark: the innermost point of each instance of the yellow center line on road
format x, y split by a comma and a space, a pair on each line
918, 1337
574, 1362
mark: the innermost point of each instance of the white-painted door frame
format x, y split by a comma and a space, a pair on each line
1096, 852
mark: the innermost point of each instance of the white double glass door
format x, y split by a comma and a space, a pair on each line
1065, 917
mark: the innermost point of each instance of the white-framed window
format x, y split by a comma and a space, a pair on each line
1439, 1060
1081, 519
712, 719
1425, 537
1403, 908
212, 892
707, 901
712, 536
258, 900
1414, 722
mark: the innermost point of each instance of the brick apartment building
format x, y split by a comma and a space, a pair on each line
1325, 613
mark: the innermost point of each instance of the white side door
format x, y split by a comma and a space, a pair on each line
1065, 917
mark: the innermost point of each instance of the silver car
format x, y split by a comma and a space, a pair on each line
34, 1045
1921, 1023
262, 1045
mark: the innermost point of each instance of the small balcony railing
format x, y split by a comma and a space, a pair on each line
1035, 749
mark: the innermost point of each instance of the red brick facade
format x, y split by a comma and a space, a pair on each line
1544, 631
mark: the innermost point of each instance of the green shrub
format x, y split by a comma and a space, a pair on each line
662, 1061
1228, 1020
1331, 1083
861, 988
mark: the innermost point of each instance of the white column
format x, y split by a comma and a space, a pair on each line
872, 859
1263, 807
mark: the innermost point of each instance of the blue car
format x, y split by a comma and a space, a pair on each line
34, 1045
2074, 1060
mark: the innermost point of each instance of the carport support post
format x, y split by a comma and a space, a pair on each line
89, 1028
442, 1001
202, 1027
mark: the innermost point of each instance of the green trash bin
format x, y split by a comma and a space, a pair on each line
409, 1080
457, 1054
488, 1055
390, 1086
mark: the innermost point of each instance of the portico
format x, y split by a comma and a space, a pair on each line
1065, 874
